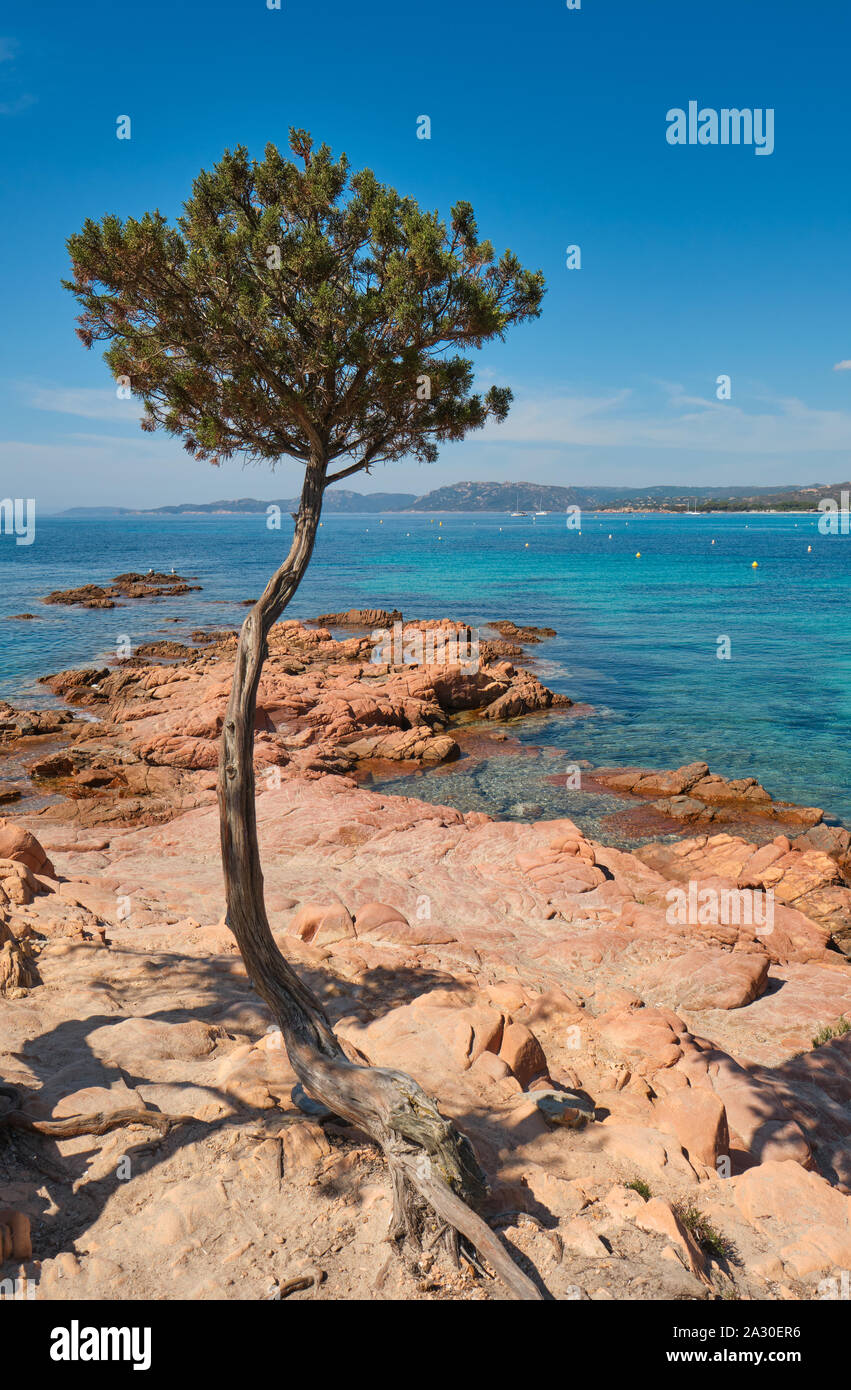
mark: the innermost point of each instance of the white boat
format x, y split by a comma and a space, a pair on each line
539, 512
517, 505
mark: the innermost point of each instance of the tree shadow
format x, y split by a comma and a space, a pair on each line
64, 1203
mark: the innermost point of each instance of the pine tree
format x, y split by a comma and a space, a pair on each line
298, 310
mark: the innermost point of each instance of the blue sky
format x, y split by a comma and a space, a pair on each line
696, 260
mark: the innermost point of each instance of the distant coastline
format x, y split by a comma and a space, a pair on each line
512, 499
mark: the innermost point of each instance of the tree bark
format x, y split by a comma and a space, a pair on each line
433, 1170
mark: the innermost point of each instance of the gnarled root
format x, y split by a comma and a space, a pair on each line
433, 1170
98, 1123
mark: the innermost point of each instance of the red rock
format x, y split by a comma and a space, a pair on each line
15, 1237
373, 915
643, 1033
645, 1148
518, 925
757, 1118
131, 1039
698, 1120
430, 1039
305, 1147
807, 1220
489, 1065
321, 924
809, 905
623, 1202
522, 1052
710, 979
660, 1217
18, 844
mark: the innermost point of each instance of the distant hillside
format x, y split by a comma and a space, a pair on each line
531, 497
510, 497
337, 499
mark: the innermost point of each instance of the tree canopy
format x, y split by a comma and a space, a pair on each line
299, 309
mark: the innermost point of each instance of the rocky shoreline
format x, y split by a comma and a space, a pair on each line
662, 1104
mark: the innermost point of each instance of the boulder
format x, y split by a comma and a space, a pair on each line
807, 1220
660, 1217
18, 844
698, 1120
15, 1237
321, 924
522, 1052
705, 979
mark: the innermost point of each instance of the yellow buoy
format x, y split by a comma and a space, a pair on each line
440, 523
638, 554
809, 548
755, 565
527, 545
713, 542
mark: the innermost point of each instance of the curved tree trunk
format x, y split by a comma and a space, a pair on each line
433, 1169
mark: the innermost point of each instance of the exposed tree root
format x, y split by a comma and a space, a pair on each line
98, 1123
307, 1280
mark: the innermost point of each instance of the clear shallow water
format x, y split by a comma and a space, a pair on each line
637, 638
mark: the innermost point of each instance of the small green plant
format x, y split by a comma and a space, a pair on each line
703, 1231
832, 1030
641, 1187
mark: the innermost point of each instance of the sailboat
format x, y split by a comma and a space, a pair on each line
539, 512
518, 512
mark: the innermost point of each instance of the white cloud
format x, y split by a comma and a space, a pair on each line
12, 108
8, 52
616, 419
843, 366
623, 419
92, 404
659, 433
134, 470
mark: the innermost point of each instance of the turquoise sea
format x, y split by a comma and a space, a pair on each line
637, 637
